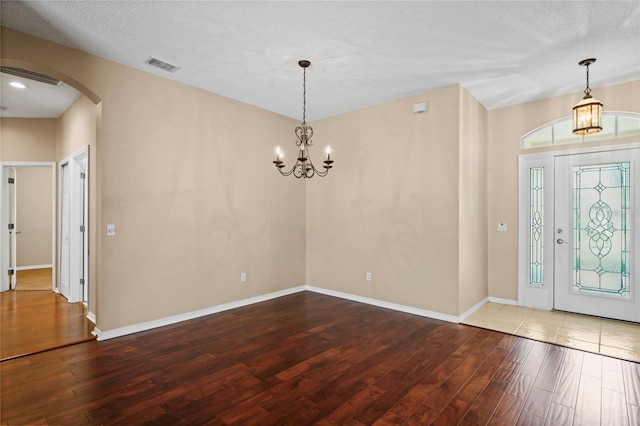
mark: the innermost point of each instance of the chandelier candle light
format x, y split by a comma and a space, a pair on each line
587, 114
303, 167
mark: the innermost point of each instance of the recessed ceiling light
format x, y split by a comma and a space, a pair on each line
18, 85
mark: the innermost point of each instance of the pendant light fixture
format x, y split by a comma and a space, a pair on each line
303, 167
587, 114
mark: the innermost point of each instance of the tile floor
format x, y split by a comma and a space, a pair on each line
607, 337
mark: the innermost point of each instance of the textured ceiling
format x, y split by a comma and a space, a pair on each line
362, 53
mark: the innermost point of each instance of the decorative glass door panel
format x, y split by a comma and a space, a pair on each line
595, 234
536, 226
601, 229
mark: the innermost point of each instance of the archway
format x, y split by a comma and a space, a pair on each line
93, 104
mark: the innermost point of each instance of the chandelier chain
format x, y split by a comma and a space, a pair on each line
304, 95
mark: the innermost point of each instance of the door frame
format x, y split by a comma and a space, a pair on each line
4, 218
542, 296
64, 232
78, 214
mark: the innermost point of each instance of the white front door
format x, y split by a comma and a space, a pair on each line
65, 233
595, 234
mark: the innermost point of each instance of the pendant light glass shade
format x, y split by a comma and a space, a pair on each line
587, 114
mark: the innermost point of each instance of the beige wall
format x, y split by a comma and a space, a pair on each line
28, 139
186, 176
506, 126
76, 128
472, 266
390, 205
34, 218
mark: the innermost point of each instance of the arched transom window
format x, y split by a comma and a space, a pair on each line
615, 125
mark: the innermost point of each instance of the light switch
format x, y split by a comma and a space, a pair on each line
502, 227
111, 230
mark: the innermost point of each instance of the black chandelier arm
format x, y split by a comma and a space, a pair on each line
312, 170
280, 165
304, 168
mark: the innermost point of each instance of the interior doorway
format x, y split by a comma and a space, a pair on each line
28, 221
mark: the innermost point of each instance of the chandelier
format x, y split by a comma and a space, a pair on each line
587, 114
303, 167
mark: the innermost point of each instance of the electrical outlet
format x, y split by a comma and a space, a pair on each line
368, 276
243, 276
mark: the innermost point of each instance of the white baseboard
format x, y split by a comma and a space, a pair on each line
388, 305
503, 301
473, 309
148, 325
26, 268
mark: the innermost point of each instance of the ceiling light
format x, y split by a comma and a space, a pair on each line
587, 114
17, 85
303, 167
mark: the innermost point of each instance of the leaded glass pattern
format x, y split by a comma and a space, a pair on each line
536, 226
601, 229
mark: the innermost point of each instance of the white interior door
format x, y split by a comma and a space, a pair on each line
78, 236
65, 231
596, 244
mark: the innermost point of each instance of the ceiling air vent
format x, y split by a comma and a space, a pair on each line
31, 75
162, 65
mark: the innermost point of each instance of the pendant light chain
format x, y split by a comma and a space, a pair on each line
587, 91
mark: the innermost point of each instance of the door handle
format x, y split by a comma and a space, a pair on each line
560, 241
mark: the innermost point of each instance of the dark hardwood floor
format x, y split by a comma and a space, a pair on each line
312, 359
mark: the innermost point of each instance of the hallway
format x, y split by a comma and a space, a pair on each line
35, 321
